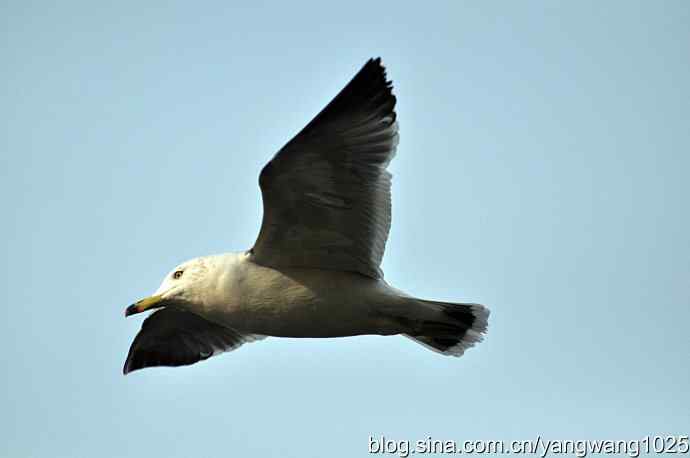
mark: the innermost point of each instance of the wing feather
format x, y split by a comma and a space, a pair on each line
326, 193
173, 337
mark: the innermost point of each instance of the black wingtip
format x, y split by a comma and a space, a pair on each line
375, 65
127, 368
375, 61
368, 90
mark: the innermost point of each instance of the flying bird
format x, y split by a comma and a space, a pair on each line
314, 270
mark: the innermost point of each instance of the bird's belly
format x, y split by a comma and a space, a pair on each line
308, 303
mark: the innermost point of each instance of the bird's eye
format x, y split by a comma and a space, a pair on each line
177, 274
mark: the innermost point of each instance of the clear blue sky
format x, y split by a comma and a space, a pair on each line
542, 170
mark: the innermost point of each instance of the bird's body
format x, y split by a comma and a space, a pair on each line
314, 270
294, 302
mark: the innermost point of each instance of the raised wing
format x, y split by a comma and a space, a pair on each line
326, 194
172, 337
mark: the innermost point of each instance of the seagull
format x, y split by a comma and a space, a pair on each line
314, 270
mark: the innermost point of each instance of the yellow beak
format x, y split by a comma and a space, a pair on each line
151, 302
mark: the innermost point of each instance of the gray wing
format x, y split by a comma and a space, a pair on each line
172, 337
326, 194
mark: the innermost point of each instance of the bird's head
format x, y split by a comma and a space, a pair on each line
180, 287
